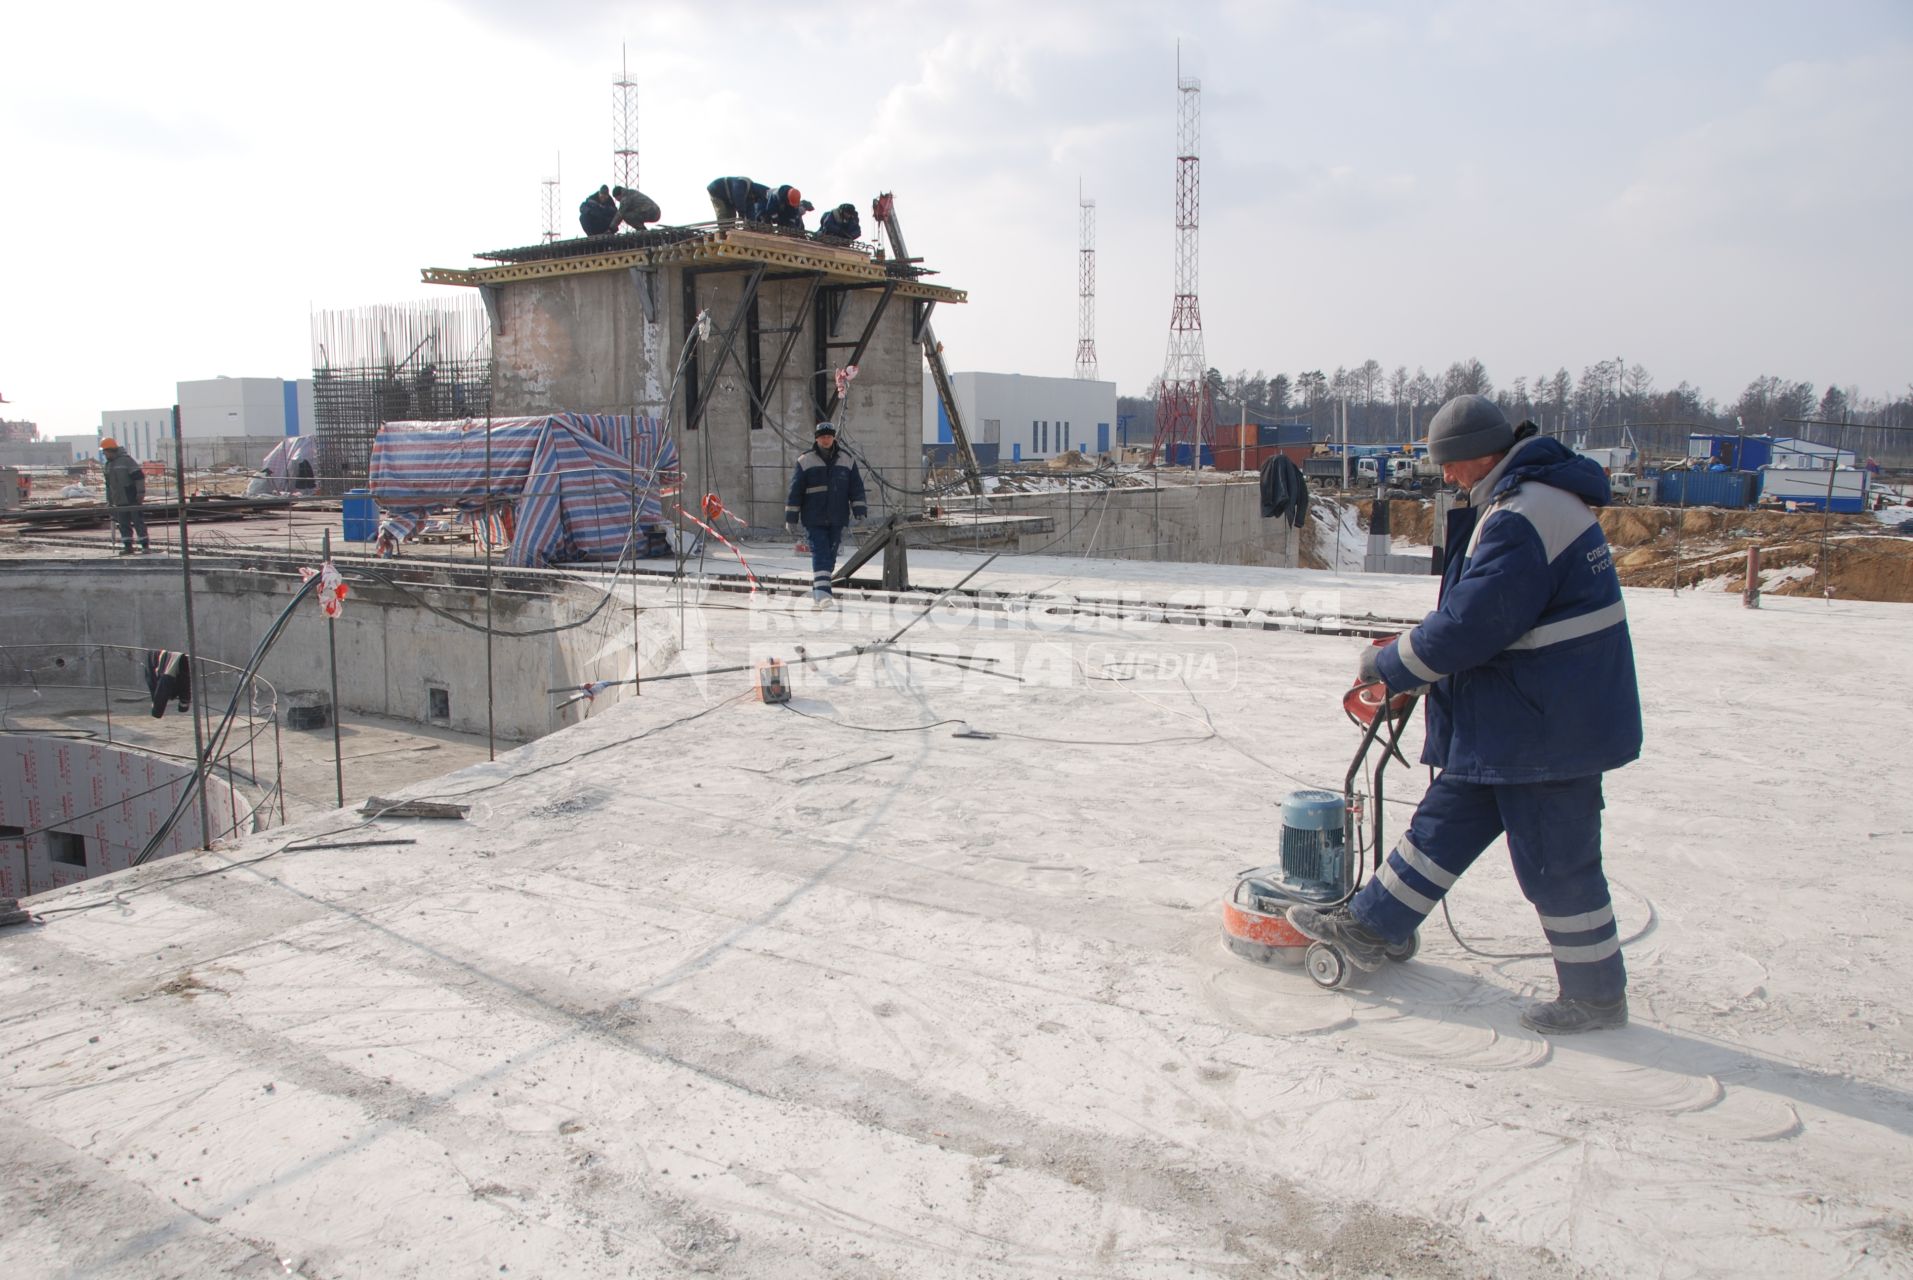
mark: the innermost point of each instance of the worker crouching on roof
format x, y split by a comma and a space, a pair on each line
125, 491
598, 215
635, 208
785, 207
734, 198
841, 223
826, 495
1532, 699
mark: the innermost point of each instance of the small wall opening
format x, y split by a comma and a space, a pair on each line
67, 848
438, 703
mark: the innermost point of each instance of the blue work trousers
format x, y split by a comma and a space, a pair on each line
1554, 839
824, 541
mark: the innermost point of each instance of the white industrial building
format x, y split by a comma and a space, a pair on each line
143, 432
212, 410
1014, 417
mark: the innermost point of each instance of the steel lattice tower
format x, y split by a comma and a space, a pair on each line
624, 125
1086, 290
551, 202
1182, 409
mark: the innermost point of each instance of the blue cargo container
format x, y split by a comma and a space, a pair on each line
361, 516
1734, 489
1182, 456
1284, 433
1740, 453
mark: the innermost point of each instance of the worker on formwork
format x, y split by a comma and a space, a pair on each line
827, 495
841, 223
125, 491
1532, 698
735, 198
786, 208
598, 215
635, 208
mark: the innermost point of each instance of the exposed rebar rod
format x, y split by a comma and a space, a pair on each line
192, 638
332, 663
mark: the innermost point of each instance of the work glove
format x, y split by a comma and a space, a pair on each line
792, 529
1370, 667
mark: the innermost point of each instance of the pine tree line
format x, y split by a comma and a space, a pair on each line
1610, 401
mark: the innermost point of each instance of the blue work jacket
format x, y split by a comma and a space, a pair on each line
1528, 652
825, 492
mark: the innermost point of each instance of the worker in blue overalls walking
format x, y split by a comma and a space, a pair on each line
826, 497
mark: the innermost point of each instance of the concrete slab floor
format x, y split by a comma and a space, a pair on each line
378, 755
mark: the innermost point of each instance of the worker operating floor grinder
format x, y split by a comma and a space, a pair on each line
1329, 843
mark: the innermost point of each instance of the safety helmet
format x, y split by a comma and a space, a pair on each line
109, 443
796, 197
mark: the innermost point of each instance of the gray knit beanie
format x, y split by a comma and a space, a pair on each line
1469, 427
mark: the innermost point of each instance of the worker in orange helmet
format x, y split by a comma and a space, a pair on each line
125, 491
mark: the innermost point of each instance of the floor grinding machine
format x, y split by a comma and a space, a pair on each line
1329, 843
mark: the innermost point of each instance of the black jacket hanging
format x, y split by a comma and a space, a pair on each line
1284, 488
169, 676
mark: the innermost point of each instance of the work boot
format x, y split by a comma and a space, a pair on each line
1564, 1016
1364, 948
822, 600
126, 550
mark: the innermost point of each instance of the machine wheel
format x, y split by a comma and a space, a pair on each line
1325, 965
1403, 952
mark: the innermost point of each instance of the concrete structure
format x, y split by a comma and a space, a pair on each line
70, 810
1217, 522
39, 453
395, 658
1024, 416
613, 329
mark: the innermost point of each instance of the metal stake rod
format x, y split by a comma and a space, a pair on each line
491, 726
192, 637
332, 661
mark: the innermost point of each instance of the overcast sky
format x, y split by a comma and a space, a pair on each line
1714, 190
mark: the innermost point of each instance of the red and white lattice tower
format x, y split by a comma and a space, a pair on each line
624, 126
1183, 418
551, 201
1086, 290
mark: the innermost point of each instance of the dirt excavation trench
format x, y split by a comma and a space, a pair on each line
1707, 544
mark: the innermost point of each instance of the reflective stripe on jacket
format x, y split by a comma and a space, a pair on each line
1528, 651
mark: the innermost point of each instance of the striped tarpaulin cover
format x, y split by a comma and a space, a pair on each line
568, 474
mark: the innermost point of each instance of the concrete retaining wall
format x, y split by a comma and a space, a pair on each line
1215, 523
391, 652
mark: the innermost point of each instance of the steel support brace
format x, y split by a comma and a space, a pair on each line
697, 392
825, 385
791, 336
754, 364
488, 294
886, 538
920, 319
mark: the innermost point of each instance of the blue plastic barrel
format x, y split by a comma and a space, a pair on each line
361, 516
